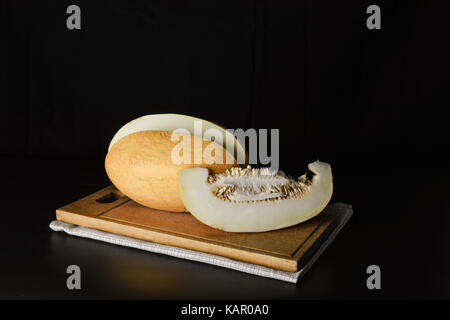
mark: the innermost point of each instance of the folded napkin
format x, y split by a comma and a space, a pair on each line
342, 211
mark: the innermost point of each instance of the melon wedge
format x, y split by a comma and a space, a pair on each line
173, 121
254, 200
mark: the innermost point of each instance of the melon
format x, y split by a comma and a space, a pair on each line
140, 159
254, 200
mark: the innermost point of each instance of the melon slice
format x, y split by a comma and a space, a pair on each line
173, 121
254, 200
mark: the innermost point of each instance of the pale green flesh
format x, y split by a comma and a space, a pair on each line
255, 216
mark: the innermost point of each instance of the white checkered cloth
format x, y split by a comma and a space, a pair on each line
341, 210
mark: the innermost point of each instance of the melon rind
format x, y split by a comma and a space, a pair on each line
173, 121
139, 159
140, 166
254, 216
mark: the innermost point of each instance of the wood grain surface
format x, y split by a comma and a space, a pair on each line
284, 249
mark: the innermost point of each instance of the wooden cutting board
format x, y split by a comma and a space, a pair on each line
287, 249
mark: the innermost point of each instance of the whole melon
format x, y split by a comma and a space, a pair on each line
140, 159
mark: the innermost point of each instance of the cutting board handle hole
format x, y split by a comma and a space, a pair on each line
108, 198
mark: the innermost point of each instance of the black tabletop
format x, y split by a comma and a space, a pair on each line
399, 224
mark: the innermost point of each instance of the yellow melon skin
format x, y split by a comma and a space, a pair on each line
140, 165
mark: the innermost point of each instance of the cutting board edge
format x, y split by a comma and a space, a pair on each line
270, 261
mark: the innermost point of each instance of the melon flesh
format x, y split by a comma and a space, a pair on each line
258, 201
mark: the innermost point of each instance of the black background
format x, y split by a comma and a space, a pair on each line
370, 102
